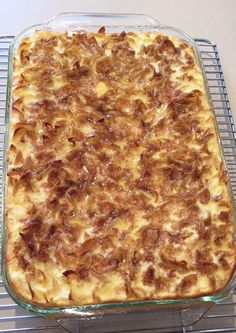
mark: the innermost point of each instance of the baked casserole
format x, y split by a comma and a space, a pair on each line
116, 188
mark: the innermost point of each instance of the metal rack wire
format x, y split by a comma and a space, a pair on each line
222, 317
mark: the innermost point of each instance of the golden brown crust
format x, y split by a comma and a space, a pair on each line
116, 187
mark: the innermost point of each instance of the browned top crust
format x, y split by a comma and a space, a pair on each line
116, 186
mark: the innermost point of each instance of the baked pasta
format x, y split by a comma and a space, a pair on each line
116, 188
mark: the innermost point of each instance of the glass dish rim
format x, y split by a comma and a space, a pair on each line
75, 309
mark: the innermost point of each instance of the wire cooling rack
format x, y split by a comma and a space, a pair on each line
222, 317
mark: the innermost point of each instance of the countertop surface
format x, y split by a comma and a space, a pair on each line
210, 19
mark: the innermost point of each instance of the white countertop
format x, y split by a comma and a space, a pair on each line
210, 19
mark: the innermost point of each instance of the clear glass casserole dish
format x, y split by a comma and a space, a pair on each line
151, 314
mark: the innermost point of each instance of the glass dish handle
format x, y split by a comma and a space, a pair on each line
133, 322
73, 21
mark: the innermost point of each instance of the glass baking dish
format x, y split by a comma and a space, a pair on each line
123, 315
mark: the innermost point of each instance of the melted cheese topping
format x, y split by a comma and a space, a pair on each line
116, 186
